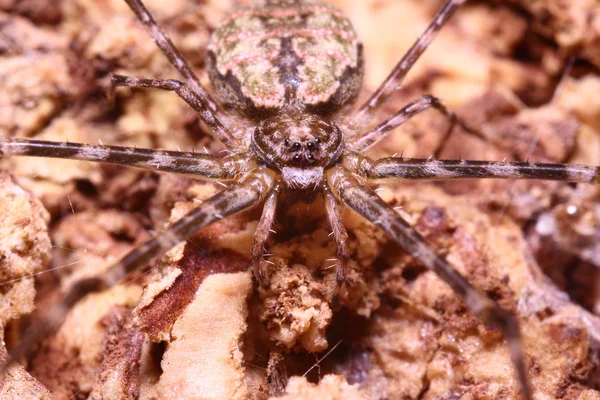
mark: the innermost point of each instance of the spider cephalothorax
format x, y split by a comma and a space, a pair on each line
300, 147
288, 67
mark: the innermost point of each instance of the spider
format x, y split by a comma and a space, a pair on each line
292, 78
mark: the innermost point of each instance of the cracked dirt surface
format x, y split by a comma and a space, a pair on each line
396, 331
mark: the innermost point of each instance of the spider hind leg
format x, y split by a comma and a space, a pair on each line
367, 111
195, 100
181, 65
367, 138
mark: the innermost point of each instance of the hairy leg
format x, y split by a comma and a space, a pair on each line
364, 201
227, 202
366, 139
366, 112
339, 233
262, 233
198, 165
176, 59
417, 168
191, 97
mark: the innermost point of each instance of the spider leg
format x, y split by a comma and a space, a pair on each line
364, 201
339, 233
262, 232
418, 168
366, 139
175, 57
366, 112
190, 96
196, 164
227, 202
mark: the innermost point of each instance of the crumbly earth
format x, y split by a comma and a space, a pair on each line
192, 325
24, 252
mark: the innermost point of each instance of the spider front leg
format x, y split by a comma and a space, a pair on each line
262, 233
339, 234
189, 96
366, 112
421, 169
202, 166
364, 201
230, 201
366, 139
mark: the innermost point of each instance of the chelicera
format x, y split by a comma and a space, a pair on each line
282, 72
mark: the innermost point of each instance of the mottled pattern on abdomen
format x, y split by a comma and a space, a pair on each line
285, 53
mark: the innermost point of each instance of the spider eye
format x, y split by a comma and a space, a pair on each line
310, 158
296, 146
287, 143
297, 158
311, 146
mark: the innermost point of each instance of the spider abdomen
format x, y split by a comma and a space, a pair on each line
282, 54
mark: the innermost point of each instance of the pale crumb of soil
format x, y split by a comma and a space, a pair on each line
24, 248
295, 311
204, 353
331, 387
24, 252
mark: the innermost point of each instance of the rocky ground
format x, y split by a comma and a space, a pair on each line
201, 329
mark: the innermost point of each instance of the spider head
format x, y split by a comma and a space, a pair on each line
298, 146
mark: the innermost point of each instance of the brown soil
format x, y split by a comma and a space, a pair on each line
201, 329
